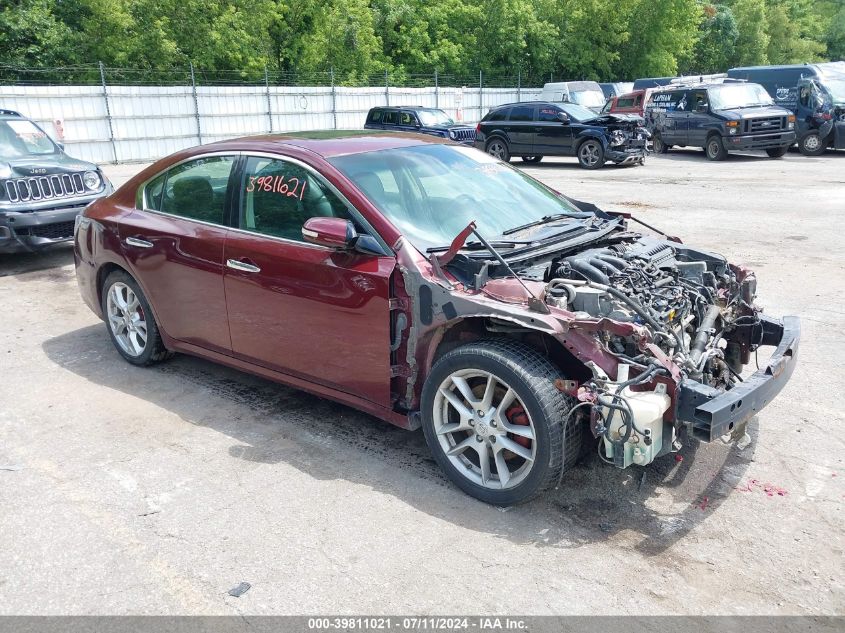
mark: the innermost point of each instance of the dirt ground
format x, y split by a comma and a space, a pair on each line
155, 491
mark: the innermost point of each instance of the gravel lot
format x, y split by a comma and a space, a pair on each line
155, 491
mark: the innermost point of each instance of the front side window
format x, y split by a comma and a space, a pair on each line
279, 196
407, 118
550, 114
195, 190
19, 137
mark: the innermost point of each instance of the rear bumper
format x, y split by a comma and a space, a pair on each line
710, 413
759, 141
31, 231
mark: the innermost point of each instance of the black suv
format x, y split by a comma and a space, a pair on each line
535, 129
720, 118
42, 189
419, 119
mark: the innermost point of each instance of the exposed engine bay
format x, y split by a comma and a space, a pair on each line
690, 317
623, 131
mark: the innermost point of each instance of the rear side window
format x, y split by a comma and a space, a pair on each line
153, 192
195, 190
375, 116
675, 100
522, 113
389, 118
498, 115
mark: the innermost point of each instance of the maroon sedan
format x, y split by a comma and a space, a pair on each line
431, 285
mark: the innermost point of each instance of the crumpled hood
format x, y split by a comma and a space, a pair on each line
44, 165
605, 119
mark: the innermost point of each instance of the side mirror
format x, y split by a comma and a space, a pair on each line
339, 234
60, 145
563, 117
331, 232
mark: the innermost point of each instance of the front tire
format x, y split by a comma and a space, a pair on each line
715, 149
532, 159
495, 422
591, 154
498, 148
811, 144
130, 321
658, 145
777, 152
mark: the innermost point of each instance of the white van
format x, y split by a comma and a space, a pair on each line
585, 93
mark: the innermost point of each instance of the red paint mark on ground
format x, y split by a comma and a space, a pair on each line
679, 458
770, 489
704, 503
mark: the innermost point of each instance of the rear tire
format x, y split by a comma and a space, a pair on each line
591, 154
459, 430
777, 152
715, 149
811, 144
498, 148
130, 322
532, 159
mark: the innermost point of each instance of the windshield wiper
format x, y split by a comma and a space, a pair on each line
477, 246
579, 215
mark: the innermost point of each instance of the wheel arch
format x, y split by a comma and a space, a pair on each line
110, 267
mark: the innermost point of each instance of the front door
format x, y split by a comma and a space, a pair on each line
309, 311
553, 137
174, 245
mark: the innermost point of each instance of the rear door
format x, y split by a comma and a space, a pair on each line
521, 131
305, 310
174, 245
553, 137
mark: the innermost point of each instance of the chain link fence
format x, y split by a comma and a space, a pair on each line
115, 115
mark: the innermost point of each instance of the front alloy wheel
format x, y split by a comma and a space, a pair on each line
496, 424
591, 154
811, 145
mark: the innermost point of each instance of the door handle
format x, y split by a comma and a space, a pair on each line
242, 266
134, 241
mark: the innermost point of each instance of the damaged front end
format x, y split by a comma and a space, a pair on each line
654, 334
627, 137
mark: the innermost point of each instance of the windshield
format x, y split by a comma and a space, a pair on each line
836, 88
579, 113
19, 137
432, 192
430, 118
730, 96
588, 98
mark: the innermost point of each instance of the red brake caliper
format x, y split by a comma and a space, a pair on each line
516, 415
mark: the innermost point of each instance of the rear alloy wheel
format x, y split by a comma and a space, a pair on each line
777, 152
591, 154
532, 159
498, 149
715, 149
495, 422
811, 145
130, 321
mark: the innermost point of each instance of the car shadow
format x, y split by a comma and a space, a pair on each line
49, 259
270, 424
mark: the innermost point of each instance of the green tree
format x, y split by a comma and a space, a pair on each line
716, 45
836, 34
32, 35
753, 42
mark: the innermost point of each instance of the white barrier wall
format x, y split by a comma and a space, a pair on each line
144, 123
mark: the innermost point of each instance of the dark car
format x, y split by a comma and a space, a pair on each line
42, 189
720, 118
431, 121
535, 129
815, 93
431, 285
